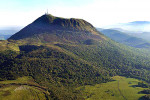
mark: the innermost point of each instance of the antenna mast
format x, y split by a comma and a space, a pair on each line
47, 11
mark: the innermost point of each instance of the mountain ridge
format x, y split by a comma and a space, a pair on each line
124, 38
64, 22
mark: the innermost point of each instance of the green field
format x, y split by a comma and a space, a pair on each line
25, 88
120, 89
21, 89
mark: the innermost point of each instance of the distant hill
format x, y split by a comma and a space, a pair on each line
144, 45
140, 29
115, 35
135, 26
4, 37
124, 38
7, 32
99, 29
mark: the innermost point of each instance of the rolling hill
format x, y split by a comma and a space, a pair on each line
139, 29
126, 39
63, 54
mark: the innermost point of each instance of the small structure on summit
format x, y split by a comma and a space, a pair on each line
46, 13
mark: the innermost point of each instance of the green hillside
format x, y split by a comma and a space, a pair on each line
63, 54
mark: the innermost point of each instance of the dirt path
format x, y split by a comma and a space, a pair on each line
121, 92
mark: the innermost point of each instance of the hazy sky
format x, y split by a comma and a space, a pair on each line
98, 12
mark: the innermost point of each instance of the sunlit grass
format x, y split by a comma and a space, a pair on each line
20, 92
24, 79
121, 89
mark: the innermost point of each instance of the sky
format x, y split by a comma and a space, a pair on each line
100, 13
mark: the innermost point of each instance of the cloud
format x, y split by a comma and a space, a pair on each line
98, 12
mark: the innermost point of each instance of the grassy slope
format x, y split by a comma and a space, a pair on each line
121, 89
5, 45
10, 90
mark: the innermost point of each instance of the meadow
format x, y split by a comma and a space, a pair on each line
121, 88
